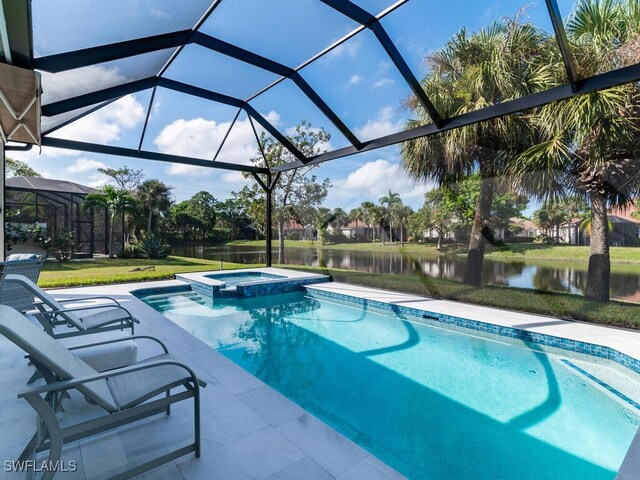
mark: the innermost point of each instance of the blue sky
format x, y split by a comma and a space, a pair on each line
357, 80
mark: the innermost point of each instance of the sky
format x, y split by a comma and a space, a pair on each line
356, 80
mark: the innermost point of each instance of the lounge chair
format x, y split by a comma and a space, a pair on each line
127, 394
12, 294
81, 320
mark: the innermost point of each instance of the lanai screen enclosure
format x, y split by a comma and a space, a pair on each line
91, 53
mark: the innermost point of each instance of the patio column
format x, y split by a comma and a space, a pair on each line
269, 226
268, 188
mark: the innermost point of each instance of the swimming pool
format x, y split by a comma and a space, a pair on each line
432, 402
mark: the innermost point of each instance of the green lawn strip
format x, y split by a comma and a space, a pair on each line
619, 314
526, 252
118, 270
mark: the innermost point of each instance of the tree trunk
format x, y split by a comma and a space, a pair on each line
382, 235
355, 236
599, 261
112, 225
281, 240
149, 222
475, 255
373, 233
401, 235
439, 246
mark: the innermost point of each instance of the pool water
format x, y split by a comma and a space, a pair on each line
432, 402
234, 279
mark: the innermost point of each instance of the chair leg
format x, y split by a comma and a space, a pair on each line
53, 432
196, 417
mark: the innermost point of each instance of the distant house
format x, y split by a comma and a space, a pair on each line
303, 232
351, 230
625, 232
519, 228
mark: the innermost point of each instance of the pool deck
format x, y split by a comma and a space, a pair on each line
249, 430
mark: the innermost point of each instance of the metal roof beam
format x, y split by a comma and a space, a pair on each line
263, 63
361, 16
143, 154
563, 92
106, 53
63, 106
563, 42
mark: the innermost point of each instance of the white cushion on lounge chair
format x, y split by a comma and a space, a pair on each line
104, 357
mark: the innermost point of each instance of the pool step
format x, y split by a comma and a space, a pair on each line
228, 292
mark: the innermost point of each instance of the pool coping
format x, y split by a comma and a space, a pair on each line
620, 346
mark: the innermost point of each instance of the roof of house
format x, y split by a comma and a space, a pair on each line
48, 185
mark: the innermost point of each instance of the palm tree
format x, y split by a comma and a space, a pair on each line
402, 214
154, 197
356, 215
507, 60
588, 144
368, 217
391, 202
116, 203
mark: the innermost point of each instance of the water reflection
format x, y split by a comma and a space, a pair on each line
557, 276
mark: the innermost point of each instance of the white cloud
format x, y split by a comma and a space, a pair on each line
201, 138
350, 49
383, 82
383, 125
353, 81
105, 125
85, 165
372, 181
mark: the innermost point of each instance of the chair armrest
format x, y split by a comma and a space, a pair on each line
90, 307
132, 337
67, 384
85, 299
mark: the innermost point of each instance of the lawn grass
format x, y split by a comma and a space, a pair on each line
118, 270
526, 252
561, 305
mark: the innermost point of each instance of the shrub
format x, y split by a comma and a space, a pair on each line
131, 250
294, 236
154, 247
62, 245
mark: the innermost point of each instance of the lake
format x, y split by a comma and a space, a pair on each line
558, 276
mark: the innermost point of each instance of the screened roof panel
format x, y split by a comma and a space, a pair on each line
422, 32
184, 125
72, 83
214, 71
240, 145
66, 25
361, 66
287, 106
287, 31
360, 87
118, 123
50, 123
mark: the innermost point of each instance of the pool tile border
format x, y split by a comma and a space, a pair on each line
510, 332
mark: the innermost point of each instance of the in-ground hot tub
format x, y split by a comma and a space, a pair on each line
236, 278
252, 282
